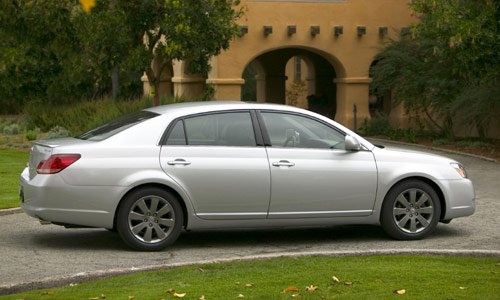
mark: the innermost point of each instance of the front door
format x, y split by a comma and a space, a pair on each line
312, 175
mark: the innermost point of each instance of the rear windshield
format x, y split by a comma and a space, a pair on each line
109, 129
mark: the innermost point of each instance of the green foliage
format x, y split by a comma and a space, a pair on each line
83, 116
31, 135
448, 65
12, 129
378, 125
249, 89
57, 132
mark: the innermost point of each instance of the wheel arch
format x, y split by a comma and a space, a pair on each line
155, 185
428, 181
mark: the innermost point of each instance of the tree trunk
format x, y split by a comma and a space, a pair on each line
156, 98
115, 82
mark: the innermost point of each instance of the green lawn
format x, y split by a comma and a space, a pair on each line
376, 277
12, 163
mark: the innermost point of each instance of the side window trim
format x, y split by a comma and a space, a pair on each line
265, 134
258, 133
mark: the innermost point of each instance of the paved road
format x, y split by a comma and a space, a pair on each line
29, 251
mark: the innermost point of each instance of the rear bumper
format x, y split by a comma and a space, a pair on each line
49, 198
459, 197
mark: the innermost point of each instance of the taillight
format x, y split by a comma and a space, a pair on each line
56, 163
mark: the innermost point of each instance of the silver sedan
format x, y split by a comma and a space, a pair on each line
236, 165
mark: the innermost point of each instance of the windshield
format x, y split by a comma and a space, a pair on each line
111, 128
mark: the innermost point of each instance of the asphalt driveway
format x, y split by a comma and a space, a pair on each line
30, 252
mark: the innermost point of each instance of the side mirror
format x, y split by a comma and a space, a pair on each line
351, 144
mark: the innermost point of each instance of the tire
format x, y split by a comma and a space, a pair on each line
149, 219
411, 210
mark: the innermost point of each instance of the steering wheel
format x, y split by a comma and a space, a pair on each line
290, 138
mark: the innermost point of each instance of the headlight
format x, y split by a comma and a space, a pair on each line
460, 169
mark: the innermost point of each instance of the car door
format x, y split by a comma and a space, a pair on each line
217, 159
312, 175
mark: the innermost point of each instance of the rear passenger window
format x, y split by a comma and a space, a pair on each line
177, 136
220, 129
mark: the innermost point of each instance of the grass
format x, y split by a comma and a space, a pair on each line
376, 277
12, 162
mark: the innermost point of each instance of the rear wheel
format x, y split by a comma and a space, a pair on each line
149, 219
411, 210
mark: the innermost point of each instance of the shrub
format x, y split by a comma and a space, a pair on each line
378, 125
440, 142
15, 129
83, 116
7, 130
32, 134
57, 132
12, 129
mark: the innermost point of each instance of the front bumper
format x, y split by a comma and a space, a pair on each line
459, 198
49, 198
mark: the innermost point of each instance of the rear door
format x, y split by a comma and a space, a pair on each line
221, 163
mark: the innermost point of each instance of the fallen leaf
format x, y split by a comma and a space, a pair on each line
202, 298
400, 292
463, 287
179, 295
497, 264
95, 298
47, 293
171, 291
201, 270
131, 297
291, 289
103, 296
493, 272
87, 5
249, 284
237, 283
335, 279
295, 295
73, 284
311, 288
347, 283
241, 296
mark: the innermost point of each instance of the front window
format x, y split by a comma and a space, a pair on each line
294, 131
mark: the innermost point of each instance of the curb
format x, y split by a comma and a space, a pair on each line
64, 280
432, 148
10, 211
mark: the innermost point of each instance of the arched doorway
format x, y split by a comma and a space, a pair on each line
295, 76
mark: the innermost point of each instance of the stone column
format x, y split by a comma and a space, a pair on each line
227, 88
261, 88
350, 91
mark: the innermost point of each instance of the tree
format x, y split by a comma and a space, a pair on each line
192, 31
36, 38
448, 65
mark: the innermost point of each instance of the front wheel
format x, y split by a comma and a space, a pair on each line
149, 219
411, 210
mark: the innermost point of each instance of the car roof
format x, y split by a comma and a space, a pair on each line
203, 106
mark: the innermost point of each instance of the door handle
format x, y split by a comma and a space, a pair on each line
283, 163
178, 161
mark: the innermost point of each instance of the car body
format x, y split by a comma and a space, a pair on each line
205, 165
